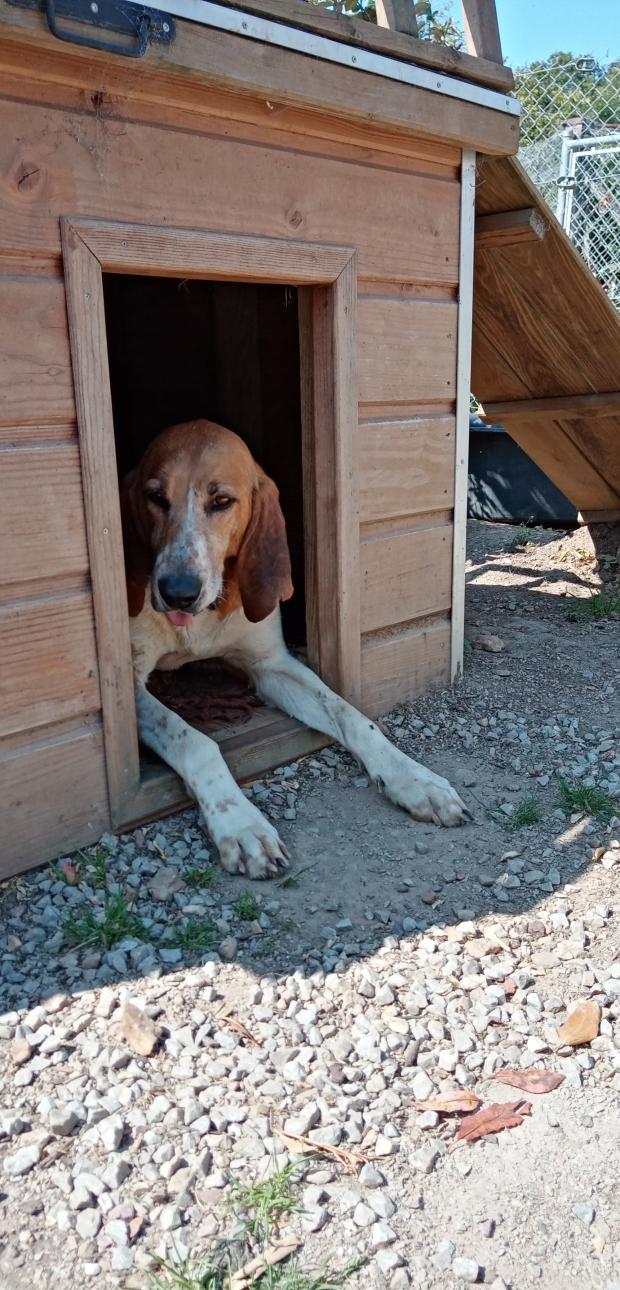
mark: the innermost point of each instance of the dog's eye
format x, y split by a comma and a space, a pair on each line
159, 501
221, 502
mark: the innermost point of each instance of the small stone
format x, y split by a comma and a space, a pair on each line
61, 1120
370, 1176
382, 1204
363, 1216
21, 1051
422, 1086
381, 1234
486, 641
138, 1029
388, 1259
170, 1218
111, 1131
88, 1223
444, 1255
428, 1120
23, 1160
466, 1270
581, 1025
425, 1159
585, 1213
228, 949
166, 882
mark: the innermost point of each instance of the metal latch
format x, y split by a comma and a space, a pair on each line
141, 25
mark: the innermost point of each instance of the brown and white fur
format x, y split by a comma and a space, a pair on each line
205, 535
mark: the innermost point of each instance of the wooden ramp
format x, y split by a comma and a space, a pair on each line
546, 342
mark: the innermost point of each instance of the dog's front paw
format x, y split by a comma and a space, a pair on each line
246, 841
425, 795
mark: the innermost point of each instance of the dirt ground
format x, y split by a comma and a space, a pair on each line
377, 898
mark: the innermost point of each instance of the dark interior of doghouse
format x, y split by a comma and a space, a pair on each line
229, 352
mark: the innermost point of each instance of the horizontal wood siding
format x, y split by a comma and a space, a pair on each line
406, 467
79, 165
52, 798
405, 575
406, 350
48, 662
35, 363
404, 665
44, 534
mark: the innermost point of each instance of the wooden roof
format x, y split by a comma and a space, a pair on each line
546, 341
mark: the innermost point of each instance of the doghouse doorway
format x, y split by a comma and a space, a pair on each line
250, 275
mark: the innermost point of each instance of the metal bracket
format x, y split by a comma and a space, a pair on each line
143, 26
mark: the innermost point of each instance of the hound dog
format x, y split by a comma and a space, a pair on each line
204, 533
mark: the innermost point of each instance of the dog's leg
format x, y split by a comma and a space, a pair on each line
246, 841
284, 681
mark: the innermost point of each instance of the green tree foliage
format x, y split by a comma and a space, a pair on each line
565, 86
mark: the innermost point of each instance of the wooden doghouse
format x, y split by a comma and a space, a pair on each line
268, 220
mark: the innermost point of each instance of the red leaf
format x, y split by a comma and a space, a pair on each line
69, 873
457, 1103
492, 1119
531, 1081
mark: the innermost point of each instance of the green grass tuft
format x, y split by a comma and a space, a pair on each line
521, 537
528, 812
116, 921
247, 907
262, 1206
589, 799
194, 934
199, 875
599, 606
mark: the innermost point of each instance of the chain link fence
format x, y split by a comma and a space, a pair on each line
570, 147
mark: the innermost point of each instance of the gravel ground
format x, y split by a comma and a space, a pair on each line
399, 962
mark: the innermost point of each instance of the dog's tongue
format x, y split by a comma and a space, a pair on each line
179, 619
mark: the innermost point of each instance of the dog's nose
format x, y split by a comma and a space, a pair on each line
179, 590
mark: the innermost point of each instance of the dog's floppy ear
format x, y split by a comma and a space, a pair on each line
263, 562
138, 558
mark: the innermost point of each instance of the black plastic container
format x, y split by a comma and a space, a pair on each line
504, 483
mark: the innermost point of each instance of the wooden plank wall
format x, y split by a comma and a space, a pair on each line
79, 151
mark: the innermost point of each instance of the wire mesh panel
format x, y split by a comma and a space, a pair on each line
570, 147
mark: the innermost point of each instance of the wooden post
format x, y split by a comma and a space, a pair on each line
463, 388
482, 30
398, 15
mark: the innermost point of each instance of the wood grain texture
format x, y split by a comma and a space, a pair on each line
405, 575
327, 321
546, 334
397, 15
571, 405
53, 799
406, 467
63, 82
191, 253
42, 514
48, 662
407, 350
404, 665
210, 58
509, 228
380, 40
123, 172
103, 519
35, 364
482, 30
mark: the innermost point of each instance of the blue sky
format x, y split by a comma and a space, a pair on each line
531, 29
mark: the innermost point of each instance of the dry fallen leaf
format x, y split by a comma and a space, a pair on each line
350, 1159
256, 1268
531, 1081
492, 1119
234, 1024
581, 1025
457, 1103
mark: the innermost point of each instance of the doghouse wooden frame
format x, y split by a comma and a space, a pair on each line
327, 279
267, 142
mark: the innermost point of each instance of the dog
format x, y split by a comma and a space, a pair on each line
204, 534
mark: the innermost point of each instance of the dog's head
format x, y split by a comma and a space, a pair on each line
202, 524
